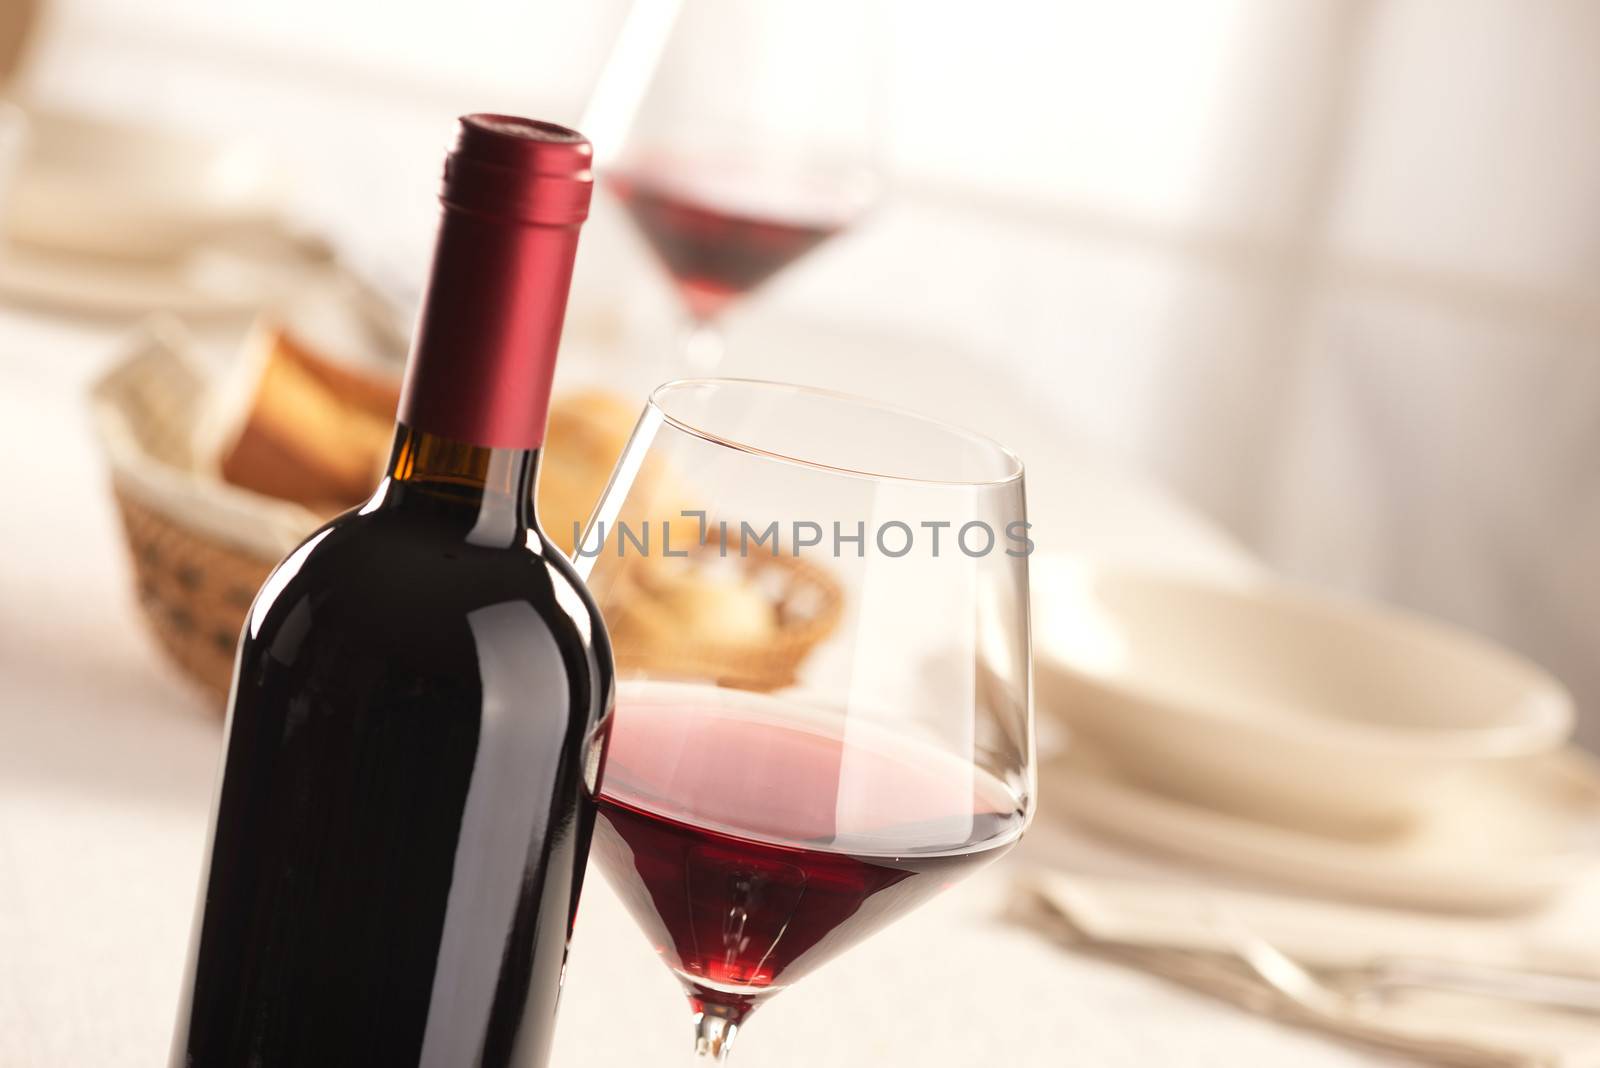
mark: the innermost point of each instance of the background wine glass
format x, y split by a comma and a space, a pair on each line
813, 733
739, 136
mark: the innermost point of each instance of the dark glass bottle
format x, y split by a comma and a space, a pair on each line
421, 697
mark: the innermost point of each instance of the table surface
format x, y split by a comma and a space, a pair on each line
107, 757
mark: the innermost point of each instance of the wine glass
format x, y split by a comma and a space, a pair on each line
819, 610
738, 136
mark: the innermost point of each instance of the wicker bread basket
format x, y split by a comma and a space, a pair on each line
194, 591
201, 547
648, 640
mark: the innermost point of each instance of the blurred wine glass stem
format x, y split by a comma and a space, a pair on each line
713, 1037
703, 346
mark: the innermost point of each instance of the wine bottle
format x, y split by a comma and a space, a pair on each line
421, 695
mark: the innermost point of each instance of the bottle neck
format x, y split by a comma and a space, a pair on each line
484, 350
476, 396
485, 491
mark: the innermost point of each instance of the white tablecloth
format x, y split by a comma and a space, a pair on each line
107, 757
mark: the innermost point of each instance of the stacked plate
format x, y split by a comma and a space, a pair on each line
113, 217
1309, 739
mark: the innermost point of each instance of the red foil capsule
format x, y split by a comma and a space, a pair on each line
515, 192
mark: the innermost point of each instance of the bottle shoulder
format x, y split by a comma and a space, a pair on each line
371, 615
408, 580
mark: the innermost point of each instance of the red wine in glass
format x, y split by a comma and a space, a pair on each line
753, 840
717, 243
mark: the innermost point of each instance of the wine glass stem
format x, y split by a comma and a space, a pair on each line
713, 1038
704, 346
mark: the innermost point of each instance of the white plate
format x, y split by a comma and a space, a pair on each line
110, 287
1501, 836
119, 189
1273, 697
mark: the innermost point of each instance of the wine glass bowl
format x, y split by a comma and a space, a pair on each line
739, 137
758, 824
721, 231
